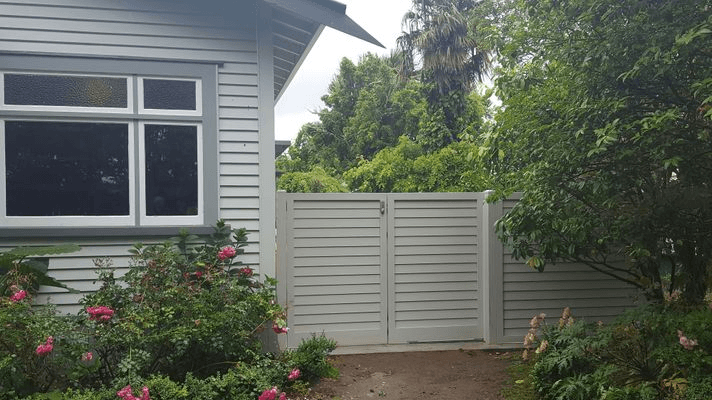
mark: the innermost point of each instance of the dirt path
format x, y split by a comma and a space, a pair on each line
463, 374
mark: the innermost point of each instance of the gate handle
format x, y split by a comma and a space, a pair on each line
383, 207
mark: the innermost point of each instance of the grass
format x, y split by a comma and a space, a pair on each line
519, 386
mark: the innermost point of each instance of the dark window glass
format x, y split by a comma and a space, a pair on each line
66, 168
171, 170
69, 91
163, 94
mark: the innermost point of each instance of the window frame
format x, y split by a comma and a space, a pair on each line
153, 111
205, 76
158, 220
71, 109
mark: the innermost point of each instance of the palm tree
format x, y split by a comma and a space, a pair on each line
439, 37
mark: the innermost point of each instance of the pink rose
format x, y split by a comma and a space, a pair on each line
283, 396
45, 348
100, 313
294, 374
277, 329
269, 394
247, 272
88, 356
18, 296
226, 252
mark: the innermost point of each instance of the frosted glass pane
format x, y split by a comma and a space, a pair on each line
171, 170
66, 168
163, 94
68, 91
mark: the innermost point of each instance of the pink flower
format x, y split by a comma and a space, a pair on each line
294, 374
45, 348
278, 329
100, 313
88, 356
226, 252
198, 274
18, 296
247, 272
687, 343
283, 396
127, 394
269, 394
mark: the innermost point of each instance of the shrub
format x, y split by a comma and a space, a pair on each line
184, 306
310, 357
183, 321
649, 353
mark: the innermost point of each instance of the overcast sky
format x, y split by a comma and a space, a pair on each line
381, 18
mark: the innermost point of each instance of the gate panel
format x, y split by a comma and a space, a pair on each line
336, 267
434, 291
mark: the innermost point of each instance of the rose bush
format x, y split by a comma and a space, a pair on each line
183, 322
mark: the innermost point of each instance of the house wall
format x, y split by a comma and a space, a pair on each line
167, 30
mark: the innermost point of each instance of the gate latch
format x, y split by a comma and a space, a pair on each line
383, 207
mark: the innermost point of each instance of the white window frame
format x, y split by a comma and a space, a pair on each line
153, 220
152, 111
102, 110
136, 117
69, 220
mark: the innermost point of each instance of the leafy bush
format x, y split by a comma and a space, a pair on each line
184, 306
182, 323
649, 353
310, 358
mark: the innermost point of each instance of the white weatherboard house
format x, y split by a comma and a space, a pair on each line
125, 120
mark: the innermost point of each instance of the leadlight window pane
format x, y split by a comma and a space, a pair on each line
171, 169
164, 94
66, 91
66, 168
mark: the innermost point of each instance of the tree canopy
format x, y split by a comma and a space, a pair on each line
369, 110
605, 127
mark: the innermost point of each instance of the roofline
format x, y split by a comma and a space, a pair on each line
326, 12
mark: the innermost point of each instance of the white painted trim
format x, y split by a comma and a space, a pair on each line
59, 221
152, 111
267, 185
147, 220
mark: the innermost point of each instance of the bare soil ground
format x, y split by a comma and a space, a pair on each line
463, 374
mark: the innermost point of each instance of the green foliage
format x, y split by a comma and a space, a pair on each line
181, 308
369, 112
314, 181
605, 127
21, 268
183, 322
310, 358
25, 327
408, 168
640, 356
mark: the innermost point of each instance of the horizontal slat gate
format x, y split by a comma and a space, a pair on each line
381, 268
336, 275
432, 267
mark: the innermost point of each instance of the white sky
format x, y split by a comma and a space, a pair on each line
381, 18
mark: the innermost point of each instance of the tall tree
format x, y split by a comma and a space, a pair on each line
440, 45
606, 128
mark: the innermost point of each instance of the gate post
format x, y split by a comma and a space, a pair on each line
492, 273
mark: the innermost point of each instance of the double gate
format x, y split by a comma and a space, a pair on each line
380, 268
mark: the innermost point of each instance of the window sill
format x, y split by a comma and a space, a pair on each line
82, 232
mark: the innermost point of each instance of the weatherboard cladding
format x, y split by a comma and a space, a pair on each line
591, 295
156, 30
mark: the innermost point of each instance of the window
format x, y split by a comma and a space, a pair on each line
115, 149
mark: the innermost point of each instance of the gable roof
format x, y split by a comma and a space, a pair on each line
296, 26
